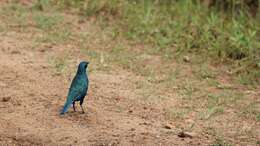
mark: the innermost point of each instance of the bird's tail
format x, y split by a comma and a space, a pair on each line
66, 107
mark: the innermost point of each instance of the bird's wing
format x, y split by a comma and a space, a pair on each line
76, 90
78, 87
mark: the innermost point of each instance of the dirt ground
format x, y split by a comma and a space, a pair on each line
33, 92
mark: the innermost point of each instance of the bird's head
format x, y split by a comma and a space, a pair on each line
83, 66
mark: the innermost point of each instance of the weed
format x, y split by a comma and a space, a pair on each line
258, 117
204, 72
171, 77
15, 14
251, 77
221, 142
46, 22
214, 83
55, 37
226, 97
251, 111
41, 5
212, 111
175, 113
59, 63
188, 89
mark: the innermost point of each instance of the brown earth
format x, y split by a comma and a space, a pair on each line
32, 95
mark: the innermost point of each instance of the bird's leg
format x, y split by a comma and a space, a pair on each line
74, 106
82, 109
81, 102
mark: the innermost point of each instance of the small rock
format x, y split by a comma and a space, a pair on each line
80, 21
6, 99
185, 135
15, 52
42, 50
168, 126
145, 123
116, 135
186, 59
132, 129
258, 64
130, 111
44, 66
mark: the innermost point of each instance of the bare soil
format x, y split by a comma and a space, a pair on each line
32, 95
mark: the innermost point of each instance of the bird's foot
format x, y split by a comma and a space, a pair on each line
82, 109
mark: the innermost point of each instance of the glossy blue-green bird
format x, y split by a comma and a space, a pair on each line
78, 88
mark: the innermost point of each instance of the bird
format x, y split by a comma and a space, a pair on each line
78, 88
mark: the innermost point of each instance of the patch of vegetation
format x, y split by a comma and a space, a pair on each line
204, 72
59, 63
258, 117
174, 28
176, 113
41, 4
212, 111
14, 14
249, 77
251, 111
220, 142
171, 28
51, 26
171, 78
226, 97
55, 36
46, 22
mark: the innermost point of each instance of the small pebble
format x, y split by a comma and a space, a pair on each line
185, 135
186, 59
6, 99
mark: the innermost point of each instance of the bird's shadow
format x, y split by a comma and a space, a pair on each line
75, 114
78, 116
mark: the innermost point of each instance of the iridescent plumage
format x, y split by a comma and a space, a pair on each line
78, 88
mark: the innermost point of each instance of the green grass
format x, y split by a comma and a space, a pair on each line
176, 113
14, 14
184, 27
225, 97
170, 29
55, 36
204, 72
60, 64
221, 142
46, 22
212, 111
258, 117
251, 111
51, 26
